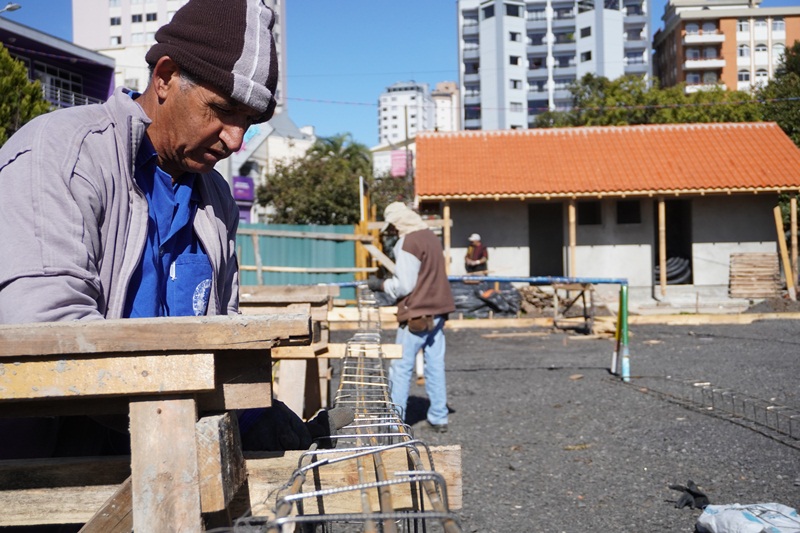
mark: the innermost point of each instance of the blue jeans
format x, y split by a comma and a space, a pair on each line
433, 345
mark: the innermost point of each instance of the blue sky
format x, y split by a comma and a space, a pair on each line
342, 54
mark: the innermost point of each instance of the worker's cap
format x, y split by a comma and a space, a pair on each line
474, 237
394, 212
227, 45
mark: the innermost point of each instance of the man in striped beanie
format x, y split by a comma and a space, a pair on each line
115, 210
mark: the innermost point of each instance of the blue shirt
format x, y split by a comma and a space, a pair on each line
173, 277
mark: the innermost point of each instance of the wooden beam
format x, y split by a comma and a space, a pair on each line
116, 513
305, 235
222, 470
573, 239
787, 267
662, 246
312, 294
446, 235
336, 351
29, 378
153, 335
381, 257
793, 233
165, 482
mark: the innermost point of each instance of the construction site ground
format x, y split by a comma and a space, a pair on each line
552, 442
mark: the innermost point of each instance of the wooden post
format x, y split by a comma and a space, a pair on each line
573, 239
787, 268
793, 234
662, 246
446, 235
165, 479
257, 255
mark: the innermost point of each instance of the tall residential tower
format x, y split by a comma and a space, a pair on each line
518, 57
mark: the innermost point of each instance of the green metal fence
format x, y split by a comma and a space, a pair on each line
284, 254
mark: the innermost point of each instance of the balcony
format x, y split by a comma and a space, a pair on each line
472, 53
472, 78
704, 38
704, 64
565, 23
64, 98
696, 88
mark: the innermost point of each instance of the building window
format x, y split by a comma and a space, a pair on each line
516, 84
586, 32
762, 76
778, 50
743, 50
589, 213
116, 21
513, 60
514, 36
744, 75
516, 106
743, 25
586, 56
709, 53
709, 27
137, 38
472, 113
778, 24
113, 3
692, 53
760, 24
629, 212
692, 28
151, 17
488, 12
710, 78
761, 47
692, 78
136, 18
116, 40
513, 10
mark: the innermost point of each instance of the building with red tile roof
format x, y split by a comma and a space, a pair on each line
601, 201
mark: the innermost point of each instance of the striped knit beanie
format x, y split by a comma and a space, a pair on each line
227, 44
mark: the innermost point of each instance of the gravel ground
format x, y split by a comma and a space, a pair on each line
551, 442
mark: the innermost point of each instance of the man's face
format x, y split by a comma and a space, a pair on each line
198, 127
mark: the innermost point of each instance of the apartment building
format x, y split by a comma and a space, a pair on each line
447, 106
517, 58
732, 44
125, 30
404, 109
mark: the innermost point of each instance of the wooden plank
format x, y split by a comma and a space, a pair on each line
336, 351
308, 270
243, 381
166, 489
164, 334
29, 378
222, 469
380, 256
787, 267
291, 384
116, 513
305, 235
268, 472
284, 294
61, 505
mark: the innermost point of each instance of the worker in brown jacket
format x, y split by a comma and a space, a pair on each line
422, 292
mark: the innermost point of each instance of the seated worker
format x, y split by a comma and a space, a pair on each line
476, 260
115, 210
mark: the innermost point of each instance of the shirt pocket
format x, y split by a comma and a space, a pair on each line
189, 285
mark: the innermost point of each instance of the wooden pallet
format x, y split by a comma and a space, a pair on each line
754, 275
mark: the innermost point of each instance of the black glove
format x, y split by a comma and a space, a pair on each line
374, 283
691, 496
274, 429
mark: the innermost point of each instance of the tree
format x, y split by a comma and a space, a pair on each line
20, 99
322, 187
387, 189
781, 96
598, 101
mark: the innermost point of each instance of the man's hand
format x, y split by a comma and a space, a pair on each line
375, 283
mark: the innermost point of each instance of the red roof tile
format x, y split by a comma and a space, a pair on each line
614, 160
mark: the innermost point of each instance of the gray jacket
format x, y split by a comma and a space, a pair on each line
73, 223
